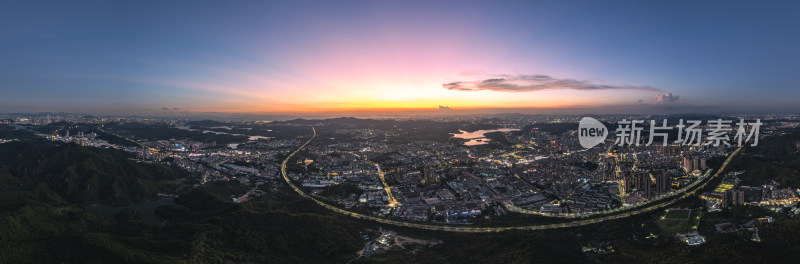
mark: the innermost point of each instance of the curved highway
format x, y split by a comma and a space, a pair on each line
472, 229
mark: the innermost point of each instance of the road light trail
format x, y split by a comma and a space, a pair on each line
467, 229
392, 201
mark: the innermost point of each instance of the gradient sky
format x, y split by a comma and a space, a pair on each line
297, 56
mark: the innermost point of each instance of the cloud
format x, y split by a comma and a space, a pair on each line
167, 108
666, 98
537, 82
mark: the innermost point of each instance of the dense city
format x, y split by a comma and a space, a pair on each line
451, 170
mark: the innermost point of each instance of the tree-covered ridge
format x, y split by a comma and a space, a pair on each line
774, 158
44, 171
203, 226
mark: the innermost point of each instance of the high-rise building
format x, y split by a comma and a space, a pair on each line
703, 163
733, 197
628, 182
647, 184
663, 182
429, 176
738, 197
641, 182
607, 168
726, 198
687, 164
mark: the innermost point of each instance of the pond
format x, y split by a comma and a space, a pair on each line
477, 137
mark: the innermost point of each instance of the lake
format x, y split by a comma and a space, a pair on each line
477, 137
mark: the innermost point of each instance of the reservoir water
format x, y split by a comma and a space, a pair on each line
477, 137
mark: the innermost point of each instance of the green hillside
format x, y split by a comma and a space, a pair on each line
46, 172
775, 158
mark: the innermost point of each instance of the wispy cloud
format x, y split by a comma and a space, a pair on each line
537, 82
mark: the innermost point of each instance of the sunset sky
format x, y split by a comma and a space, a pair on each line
299, 57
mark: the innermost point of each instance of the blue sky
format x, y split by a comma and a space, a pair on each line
283, 57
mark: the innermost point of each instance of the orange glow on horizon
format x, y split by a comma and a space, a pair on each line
389, 107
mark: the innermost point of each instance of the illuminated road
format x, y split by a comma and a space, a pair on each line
392, 201
470, 229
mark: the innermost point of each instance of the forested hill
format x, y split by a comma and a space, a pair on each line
47, 172
775, 158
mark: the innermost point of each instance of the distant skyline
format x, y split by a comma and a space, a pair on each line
301, 58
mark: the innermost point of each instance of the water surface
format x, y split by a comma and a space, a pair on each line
477, 137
